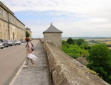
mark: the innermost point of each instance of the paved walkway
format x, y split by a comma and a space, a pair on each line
35, 75
10, 60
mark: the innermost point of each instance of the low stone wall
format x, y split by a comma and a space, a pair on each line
67, 71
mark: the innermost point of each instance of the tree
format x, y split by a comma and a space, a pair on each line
75, 41
70, 41
100, 61
84, 45
80, 41
27, 34
84, 53
72, 50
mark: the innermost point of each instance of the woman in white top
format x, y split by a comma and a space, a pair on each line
29, 50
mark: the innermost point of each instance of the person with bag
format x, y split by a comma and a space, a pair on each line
29, 51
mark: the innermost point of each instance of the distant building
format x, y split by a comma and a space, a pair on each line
53, 35
29, 31
10, 27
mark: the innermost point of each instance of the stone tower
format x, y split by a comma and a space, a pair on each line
53, 36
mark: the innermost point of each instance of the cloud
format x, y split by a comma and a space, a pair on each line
75, 6
74, 17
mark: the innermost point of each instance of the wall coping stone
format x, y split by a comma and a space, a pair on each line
67, 71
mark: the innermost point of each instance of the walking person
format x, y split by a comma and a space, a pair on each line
29, 50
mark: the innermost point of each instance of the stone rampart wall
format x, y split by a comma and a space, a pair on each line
67, 71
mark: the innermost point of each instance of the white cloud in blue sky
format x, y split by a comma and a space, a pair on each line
75, 18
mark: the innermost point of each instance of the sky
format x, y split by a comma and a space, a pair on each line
76, 18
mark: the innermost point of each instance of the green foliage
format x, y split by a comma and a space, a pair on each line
80, 41
27, 34
84, 53
98, 55
70, 41
74, 50
71, 50
100, 61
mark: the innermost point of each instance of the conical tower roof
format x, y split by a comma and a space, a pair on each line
52, 29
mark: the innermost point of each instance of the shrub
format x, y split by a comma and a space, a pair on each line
100, 61
74, 50
27, 34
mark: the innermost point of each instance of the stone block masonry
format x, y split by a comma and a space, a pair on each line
67, 71
10, 27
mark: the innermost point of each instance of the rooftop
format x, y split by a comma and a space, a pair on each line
6, 8
52, 29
